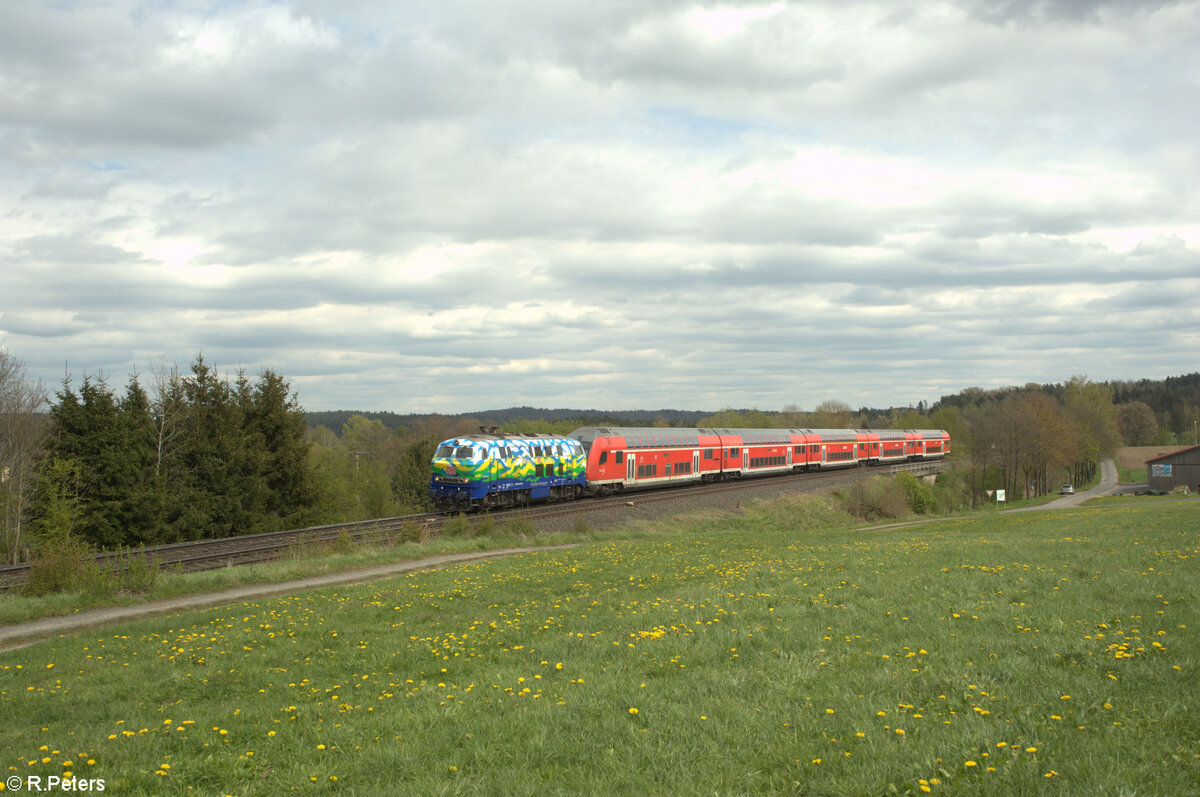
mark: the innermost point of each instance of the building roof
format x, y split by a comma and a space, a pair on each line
1172, 454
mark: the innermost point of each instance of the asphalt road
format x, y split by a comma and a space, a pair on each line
1107, 486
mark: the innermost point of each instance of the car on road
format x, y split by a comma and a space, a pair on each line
1067, 489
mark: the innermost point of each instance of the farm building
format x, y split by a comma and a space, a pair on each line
1169, 471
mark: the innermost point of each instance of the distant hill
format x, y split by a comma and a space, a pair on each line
335, 419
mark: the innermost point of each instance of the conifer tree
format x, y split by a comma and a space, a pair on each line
276, 422
204, 493
141, 510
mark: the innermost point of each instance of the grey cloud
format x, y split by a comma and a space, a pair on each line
414, 206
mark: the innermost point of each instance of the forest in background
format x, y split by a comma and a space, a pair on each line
183, 455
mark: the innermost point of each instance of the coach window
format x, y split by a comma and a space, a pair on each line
603, 457
620, 457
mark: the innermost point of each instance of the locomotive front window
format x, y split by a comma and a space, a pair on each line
465, 452
445, 451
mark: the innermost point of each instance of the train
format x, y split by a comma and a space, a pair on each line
492, 470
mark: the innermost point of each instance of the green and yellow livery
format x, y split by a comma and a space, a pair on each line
487, 470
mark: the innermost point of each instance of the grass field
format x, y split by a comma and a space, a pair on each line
1051, 652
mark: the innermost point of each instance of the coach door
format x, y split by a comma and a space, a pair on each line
630, 466
696, 461
745, 458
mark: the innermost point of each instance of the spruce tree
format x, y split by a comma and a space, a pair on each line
141, 511
275, 421
204, 496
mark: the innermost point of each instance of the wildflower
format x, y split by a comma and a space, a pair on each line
633, 710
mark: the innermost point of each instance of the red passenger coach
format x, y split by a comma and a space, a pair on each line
627, 458
619, 458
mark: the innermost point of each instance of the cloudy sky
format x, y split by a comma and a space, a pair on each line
461, 205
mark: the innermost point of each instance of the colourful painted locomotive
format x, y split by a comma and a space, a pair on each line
481, 471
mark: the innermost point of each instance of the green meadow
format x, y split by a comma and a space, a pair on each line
774, 653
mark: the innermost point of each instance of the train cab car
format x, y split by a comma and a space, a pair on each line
631, 457
936, 443
487, 470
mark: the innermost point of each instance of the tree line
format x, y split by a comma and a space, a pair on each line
198, 456
191, 455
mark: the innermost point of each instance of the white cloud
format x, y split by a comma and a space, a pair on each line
438, 207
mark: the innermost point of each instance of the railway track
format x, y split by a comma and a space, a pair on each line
255, 548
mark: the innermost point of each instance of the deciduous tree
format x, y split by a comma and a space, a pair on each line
22, 432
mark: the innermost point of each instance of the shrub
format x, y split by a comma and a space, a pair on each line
876, 498
457, 526
344, 544
139, 573
519, 527
952, 491
411, 532
61, 565
918, 494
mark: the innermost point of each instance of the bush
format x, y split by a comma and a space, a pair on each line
457, 526
519, 527
952, 491
485, 528
63, 565
876, 498
139, 573
918, 494
411, 532
344, 544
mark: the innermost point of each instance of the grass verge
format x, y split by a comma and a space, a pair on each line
770, 654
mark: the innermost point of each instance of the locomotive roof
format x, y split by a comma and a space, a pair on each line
490, 437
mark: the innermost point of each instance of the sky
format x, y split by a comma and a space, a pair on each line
460, 205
